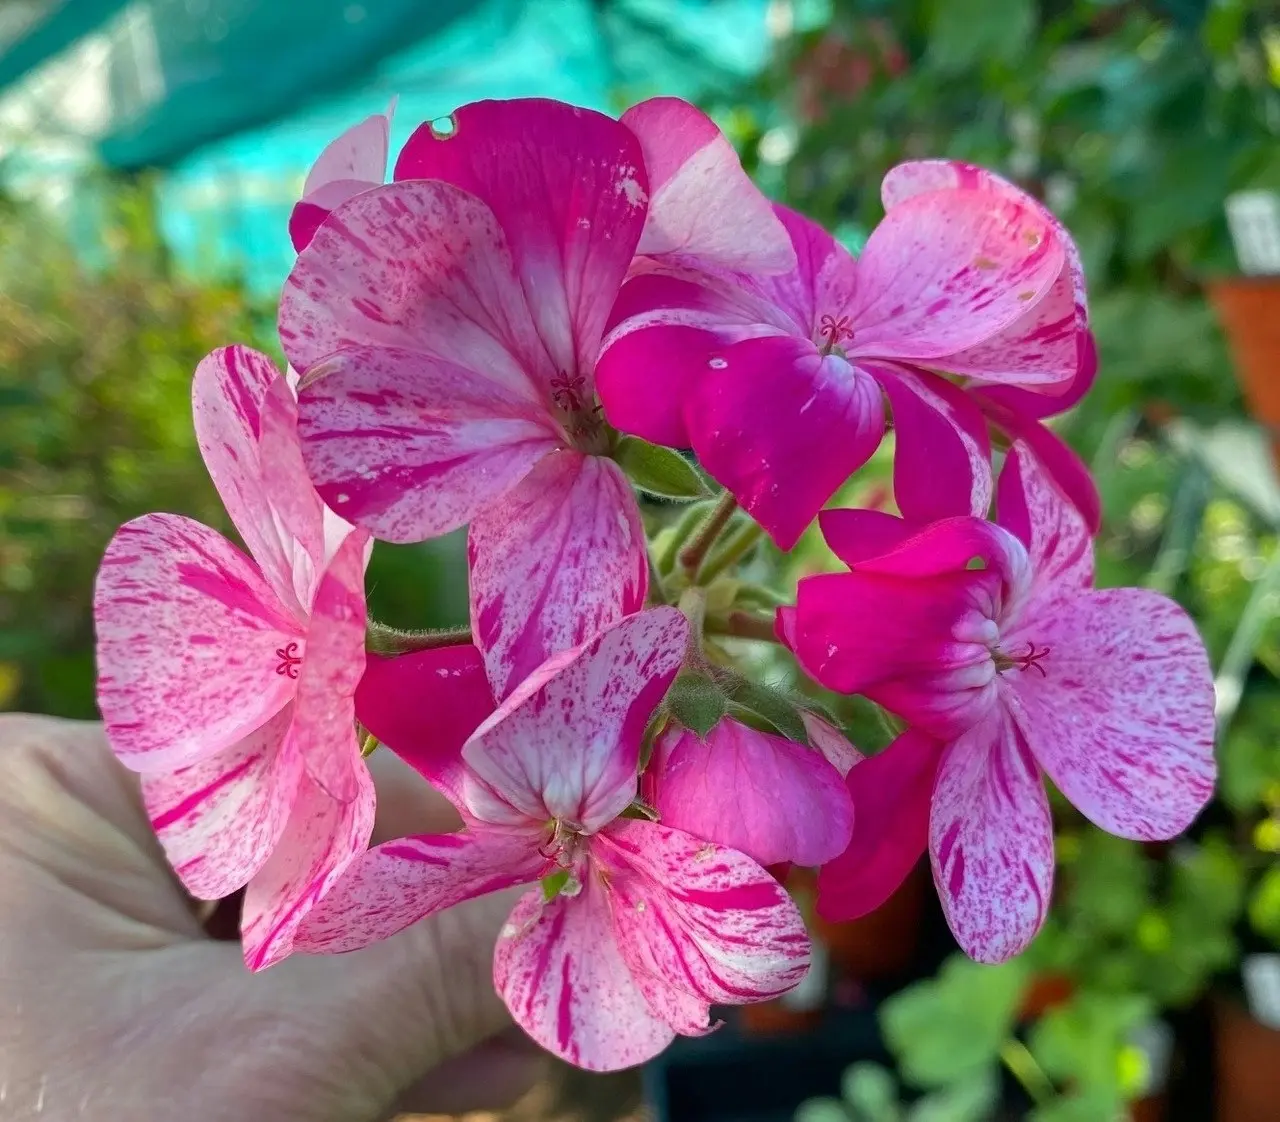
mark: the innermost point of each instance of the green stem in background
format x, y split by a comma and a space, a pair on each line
732, 550
693, 603
744, 625
1017, 1057
704, 537
657, 590
385, 640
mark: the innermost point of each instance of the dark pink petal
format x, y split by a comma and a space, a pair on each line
991, 841
219, 819
188, 635
322, 838
948, 270
855, 536
569, 188
1122, 719
783, 428
421, 267
942, 458
399, 882
704, 208
702, 918
890, 794
324, 719
411, 447
831, 742
566, 743
423, 706
233, 405
558, 968
762, 795
1058, 542
557, 559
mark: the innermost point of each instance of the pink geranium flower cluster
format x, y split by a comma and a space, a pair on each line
541, 299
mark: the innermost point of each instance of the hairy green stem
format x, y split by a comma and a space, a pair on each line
704, 537
385, 640
734, 548
744, 625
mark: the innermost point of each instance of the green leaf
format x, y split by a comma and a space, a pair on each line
660, 471
821, 1110
971, 1099
872, 1091
966, 34
1088, 1106
1264, 906
773, 705
551, 885
696, 702
1081, 1042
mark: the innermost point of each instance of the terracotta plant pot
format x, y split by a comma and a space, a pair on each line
1247, 1066
1249, 310
1047, 991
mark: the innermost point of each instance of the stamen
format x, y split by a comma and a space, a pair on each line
834, 330
1022, 662
290, 660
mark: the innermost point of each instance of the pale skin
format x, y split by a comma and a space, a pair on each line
115, 1004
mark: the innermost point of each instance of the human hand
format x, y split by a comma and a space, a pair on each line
118, 1005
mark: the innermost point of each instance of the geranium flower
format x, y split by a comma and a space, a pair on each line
636, 928
447, 327
1002, 670
228, 682
355, 162
775, 381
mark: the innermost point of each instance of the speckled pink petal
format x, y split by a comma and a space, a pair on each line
706, 919
762, 795
400, 882
558, 968
991, 841
704, 208
948, 270
782, 428
321, 839
1059, 545
423, 706
566, 743
831, 742
890, 794
942, 458
188, 644
231, 398
557, 559
568, 186
999, 402
411, 447
420, 266
1122, 718
219, 819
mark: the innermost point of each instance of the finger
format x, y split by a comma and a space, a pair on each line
491, 1077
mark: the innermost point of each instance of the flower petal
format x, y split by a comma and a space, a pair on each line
942, 459
397, 883
187, 640
557, 559
359, 153
558, 968
231, 399
412, 447
704, 208
782, 428
322, 838
569, 188
1122, 719
219, 819
762, 795
566, 743
948, 270
1025, 404
423, 706
422, 267
705, 919
991, 841
856, 535
831, 742
890, 794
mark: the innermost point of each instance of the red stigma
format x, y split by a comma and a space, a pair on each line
833, 330
567, 390
1030, 660
290, 660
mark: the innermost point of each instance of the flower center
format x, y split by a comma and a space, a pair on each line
580, 418
1027, 660
562, 844
290, 661
834, 331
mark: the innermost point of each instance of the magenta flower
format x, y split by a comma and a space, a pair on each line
637, 928
447, 328
756, 792
1002, 671
1023, 350
353, 163
228, 683
775, 381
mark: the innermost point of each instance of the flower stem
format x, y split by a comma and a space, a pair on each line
744, 625
736, 546
704, 537
384, 640
1017, 1057
657, 590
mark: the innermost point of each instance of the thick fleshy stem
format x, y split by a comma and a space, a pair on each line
736, 546
385, 640
704, 537
744, 625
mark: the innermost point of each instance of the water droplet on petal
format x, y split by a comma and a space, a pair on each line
718, 363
